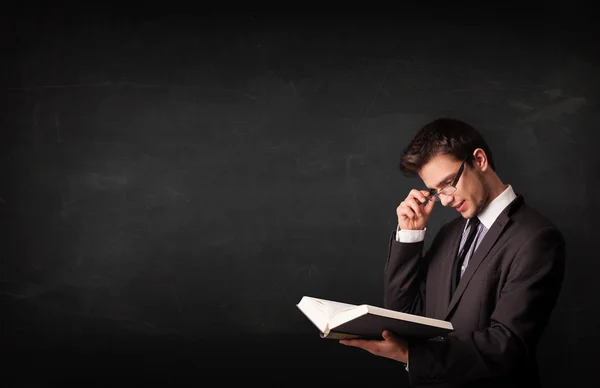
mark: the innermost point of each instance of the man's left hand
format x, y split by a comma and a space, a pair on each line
390, 347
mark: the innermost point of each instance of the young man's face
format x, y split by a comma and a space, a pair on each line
471, 190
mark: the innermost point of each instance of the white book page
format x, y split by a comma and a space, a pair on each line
326, 314
329, 307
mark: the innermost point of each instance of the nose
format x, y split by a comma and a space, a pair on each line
446, 199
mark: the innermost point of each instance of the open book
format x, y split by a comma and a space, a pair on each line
342, 320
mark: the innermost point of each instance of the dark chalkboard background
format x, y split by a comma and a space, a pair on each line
172, 183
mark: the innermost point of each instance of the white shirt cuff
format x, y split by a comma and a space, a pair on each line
410, 236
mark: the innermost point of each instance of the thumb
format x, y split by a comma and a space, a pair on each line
387, 335
429, 205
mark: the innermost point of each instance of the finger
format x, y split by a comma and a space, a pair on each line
354, 342
418, 194
404, 210
415, 205
430, 204
368, 346
427, 194
388, 335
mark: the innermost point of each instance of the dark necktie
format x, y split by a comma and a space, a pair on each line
473, 224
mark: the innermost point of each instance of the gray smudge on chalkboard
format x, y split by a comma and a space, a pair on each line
568, 106
106, 182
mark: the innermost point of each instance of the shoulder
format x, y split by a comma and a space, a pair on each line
536, 240
530, 221
538, 245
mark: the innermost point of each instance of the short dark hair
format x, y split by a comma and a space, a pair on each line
443, 136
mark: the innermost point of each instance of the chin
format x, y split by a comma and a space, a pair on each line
468, 213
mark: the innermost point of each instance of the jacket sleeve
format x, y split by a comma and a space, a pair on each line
404, 277
527, 299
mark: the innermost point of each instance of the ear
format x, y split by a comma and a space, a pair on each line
480, 160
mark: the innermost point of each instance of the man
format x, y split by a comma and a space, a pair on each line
497, 285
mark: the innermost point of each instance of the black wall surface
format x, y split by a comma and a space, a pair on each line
173, 183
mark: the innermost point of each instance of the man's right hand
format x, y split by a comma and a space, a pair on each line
412, 213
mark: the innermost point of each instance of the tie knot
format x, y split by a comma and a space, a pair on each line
474, 222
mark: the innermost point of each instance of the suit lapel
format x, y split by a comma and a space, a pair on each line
482, 250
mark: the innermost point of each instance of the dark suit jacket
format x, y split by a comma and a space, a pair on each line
499, 309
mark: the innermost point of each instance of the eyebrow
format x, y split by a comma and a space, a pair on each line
447, 178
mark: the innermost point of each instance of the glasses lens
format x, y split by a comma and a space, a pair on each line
448, 190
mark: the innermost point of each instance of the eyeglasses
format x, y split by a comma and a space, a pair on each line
450, 188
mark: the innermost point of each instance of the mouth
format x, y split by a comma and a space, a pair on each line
460, 207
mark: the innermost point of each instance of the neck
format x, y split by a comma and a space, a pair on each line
495, 187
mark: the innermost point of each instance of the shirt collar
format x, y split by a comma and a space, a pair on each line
494, 208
